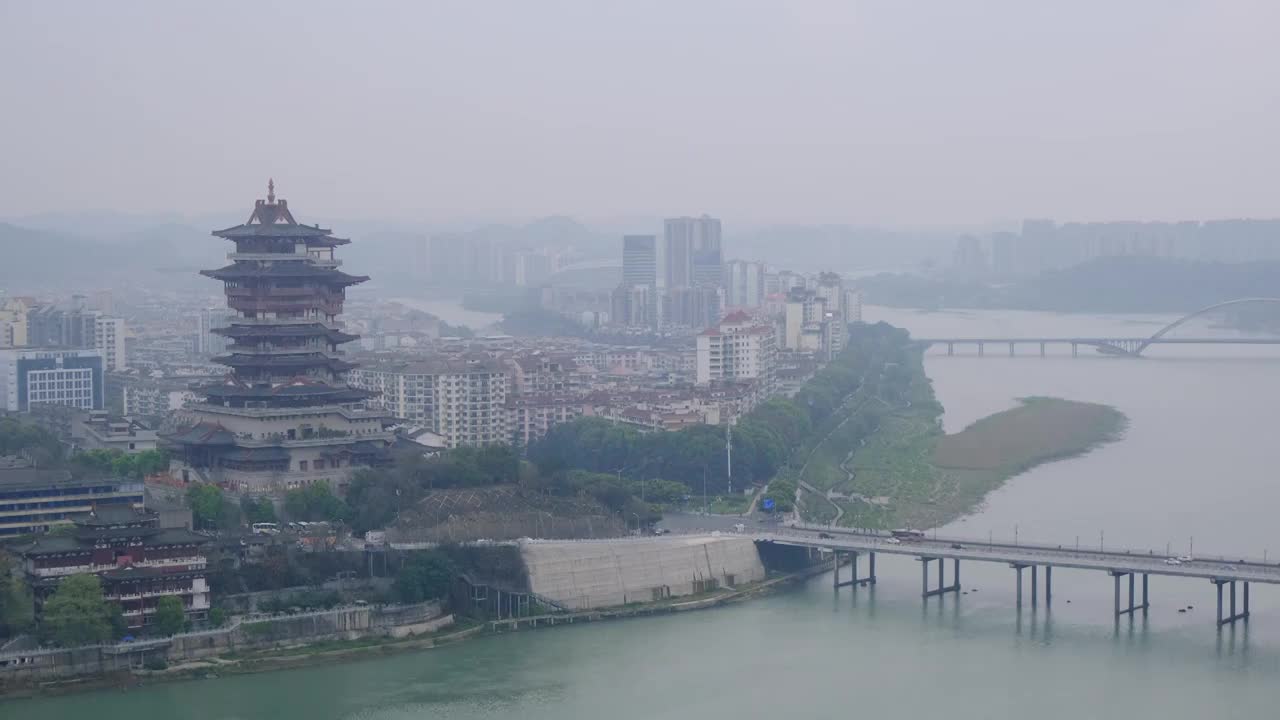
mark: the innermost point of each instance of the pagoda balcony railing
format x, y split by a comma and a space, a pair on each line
70, 570
321, 348
283, 257
143, 611
282, 305
315, 441
260, 293
199, 561
271, 322
149, 594
259, 412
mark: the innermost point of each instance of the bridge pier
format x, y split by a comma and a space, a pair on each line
1075, 349
981, 349
1035, 583
1041, 349
1234, 616
1011, 344
1116, 575
954, 587
951, 348
854, 580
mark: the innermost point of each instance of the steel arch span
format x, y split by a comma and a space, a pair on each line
1203, 311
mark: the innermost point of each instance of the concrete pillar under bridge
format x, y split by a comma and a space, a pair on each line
1233, 616
854, 580
1035, 584
942, 587
1144, 607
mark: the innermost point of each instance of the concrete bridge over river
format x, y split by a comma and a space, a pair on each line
1124, 346
1125, 566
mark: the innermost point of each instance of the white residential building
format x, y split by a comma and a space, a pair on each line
108, 337
208, 320
462, 400
738, 349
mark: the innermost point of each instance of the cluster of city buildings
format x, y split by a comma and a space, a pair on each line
476, 260
684, 282
679, 282
260, 394
1045, 245
54, 353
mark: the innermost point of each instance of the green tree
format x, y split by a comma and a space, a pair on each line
16, 607
258, 510
150, 462
170, 617
315, 502
425, 577
206, 505
77, 615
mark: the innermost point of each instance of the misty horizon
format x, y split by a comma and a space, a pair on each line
870, 115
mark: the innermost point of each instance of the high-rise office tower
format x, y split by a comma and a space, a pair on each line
639, 260
744, 283
693, 255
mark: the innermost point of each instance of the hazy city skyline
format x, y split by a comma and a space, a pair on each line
862, 113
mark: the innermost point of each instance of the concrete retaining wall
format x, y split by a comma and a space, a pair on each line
584, 575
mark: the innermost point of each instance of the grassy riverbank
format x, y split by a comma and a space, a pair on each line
907, 472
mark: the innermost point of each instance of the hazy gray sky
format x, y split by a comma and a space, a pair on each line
890, 112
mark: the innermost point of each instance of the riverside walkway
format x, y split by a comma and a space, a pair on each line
1124, 565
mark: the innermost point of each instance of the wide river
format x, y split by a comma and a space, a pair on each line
1198, 461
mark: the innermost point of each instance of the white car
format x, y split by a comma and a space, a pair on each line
1173, 561
893, 541
1185, 558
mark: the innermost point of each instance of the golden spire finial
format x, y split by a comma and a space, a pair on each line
271, 190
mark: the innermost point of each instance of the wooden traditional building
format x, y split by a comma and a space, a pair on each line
137, 561
285, 416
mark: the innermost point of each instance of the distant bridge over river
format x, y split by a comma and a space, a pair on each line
1123, 346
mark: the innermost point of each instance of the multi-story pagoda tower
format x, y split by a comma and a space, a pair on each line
284, 417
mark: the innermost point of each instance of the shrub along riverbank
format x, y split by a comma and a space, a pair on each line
771, 441
906, 472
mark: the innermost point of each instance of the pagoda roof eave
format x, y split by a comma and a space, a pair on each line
239, 271
293, 391
314, 330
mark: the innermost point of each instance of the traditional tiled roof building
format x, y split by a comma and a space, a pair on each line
137, 561
285, 416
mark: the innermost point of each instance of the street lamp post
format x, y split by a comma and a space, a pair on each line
704, 490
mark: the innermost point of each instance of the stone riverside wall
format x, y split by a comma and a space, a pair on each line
246, 633
589, 574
